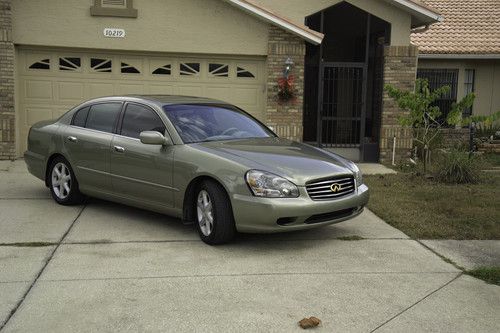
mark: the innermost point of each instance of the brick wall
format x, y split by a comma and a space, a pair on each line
400, 68
7, 115
455, 137
285, 118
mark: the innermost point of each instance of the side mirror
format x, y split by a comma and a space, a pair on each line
154, 138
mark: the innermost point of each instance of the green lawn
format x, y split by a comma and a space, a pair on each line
488, 274
425, 209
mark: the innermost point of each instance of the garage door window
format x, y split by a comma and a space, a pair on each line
101, 65
126, 68
70, 64
190, 69
102, 117
219, 70
137, 119
242, 72
163, 70
42, 64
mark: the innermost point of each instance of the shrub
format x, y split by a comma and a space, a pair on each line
458, 167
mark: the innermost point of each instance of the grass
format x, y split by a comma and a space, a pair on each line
488, 274
29, 244
425, 209
492, 160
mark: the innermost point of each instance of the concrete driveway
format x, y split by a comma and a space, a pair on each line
107, 267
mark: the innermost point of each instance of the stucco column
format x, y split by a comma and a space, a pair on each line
7, 114
285, 118
400, 71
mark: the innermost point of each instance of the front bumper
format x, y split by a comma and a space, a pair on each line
267, 215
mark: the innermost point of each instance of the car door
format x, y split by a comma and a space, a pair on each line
139, 171
88, 140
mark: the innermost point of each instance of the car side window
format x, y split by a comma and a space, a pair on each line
80, 117
140, 118
102, 117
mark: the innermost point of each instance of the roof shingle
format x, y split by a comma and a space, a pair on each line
469, 27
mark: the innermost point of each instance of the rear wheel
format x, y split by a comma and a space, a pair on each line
62, 183
214, 215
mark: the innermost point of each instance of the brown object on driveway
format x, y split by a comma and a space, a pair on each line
309, 322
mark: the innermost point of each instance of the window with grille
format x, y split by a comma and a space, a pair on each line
438, 78
469, 87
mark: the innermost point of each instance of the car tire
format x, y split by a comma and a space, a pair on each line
213, 214
62, 183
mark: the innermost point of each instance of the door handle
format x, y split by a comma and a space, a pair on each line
119, 149
72, 139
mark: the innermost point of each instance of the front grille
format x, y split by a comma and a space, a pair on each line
322, 190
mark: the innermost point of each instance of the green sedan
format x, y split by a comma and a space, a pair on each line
201, 160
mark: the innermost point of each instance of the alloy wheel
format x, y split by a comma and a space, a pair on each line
61, 180
204, 209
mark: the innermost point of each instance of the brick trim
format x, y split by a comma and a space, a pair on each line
7, 113
285, 118
400, 70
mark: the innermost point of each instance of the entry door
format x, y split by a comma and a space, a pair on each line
141, 172
342, 107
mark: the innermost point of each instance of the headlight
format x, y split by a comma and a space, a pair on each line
357, 174
266, 184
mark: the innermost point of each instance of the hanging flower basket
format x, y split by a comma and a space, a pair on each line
286, 89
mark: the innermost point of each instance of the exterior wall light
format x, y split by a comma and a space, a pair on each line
288, 67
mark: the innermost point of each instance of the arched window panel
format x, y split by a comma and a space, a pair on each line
101, 65
220, 70
163, 70
129, 69
42, 64
189, 69
70, 64
242, 72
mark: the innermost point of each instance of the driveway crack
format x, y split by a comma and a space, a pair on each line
417, 302
49, 258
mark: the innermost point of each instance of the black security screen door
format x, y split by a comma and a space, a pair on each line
344, 81
341, 110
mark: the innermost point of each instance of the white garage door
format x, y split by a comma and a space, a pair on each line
51, 82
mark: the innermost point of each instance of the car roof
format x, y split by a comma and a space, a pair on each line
176, 99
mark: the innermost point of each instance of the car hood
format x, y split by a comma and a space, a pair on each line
295, 161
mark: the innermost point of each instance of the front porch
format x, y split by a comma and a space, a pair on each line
344, 106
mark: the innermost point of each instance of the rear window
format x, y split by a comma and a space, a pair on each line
102, 117
81, 117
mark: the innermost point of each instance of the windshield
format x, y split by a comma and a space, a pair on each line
202, 123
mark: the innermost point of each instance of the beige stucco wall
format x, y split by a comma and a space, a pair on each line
487, 81
297, 10
184, 26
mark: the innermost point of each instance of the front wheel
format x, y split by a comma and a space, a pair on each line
214, 214
62, 183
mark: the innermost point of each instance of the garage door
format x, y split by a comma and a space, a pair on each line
51, 82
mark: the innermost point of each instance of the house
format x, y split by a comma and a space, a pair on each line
463, 51
56, 54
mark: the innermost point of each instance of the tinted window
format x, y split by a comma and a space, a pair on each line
102, 117
81, 116
198, 123
139, 118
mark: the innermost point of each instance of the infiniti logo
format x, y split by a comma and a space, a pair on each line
335, 188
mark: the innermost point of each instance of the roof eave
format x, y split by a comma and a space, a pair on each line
304, 32
492, 56
423, 15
